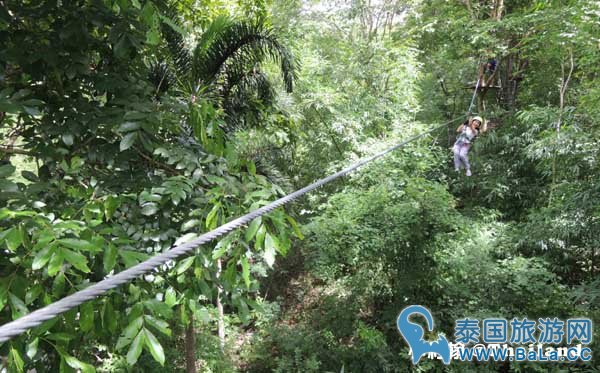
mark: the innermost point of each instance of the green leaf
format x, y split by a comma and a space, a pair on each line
15, 360
42, 257
128, 141
246, 271
30, 176
109, 317
149, 209
211, 221
185, 238
159, 308
86, 316
130, 331
270, 250
253, 228
153, 37
135, 350
110, 258
56, 262
77, 364
295, 226
17, 306
160, 325
260, 237
8, 186
77, 260
155, 347
184, 265
190, 224
131, 258
170, 297
128, 127
251, 168
32, 348
77, 244
13, 239
7, 170
67, 138
110, 206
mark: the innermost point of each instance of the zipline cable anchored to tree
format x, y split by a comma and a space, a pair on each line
36, 318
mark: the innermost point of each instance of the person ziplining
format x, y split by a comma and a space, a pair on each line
467, 132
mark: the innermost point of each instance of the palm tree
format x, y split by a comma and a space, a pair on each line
225, 66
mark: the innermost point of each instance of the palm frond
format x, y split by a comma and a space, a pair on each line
246, 42
179, 52
247, 95
160, 76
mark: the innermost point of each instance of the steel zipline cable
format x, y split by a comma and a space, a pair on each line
36, 318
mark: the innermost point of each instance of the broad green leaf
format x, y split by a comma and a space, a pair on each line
17, 306
109, 317
15, 360
211, 218
28, 175
134, 115
135, 349
110, 206
77, 244
170, 297
190, 224
67, 138
41, 258
7, 170
128, 141
185, 238
77, 364
32, 348
149, 209
295, 226
251, 168
260, 237
160, 325
153, 36
130, 331
128, 127
155, 347
131, 258
3, 293
86, 316
246, 271
56, 262
77, 260
270, 250
252, 229
110, 258
13, 239
184, 265
159, 308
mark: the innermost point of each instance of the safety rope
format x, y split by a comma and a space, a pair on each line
473, 98
20, 325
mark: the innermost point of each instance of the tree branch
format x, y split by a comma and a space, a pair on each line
12, 150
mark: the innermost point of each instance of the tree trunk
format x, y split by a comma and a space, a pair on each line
190, 347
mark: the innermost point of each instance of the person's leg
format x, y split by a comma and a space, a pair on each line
457, 161
464, 157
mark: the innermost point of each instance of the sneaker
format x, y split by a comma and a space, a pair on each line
457, 170
468, 172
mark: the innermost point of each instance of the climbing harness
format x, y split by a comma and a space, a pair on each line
36, 318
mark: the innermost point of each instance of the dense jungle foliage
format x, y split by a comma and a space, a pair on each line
131, 126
